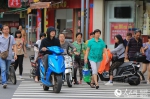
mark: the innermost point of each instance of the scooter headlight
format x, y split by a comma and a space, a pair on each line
138, 66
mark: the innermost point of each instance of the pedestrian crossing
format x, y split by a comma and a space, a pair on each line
32, 90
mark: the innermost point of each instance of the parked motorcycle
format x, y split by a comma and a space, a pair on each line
68, 69
11, 74
52, 69
128, 72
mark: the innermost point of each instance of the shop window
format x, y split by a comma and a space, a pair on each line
122, 12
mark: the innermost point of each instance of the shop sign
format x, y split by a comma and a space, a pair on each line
59, 5
38, 25
119, 28
14, 3
14, 24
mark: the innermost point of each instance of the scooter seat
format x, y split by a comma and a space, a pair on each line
126, 64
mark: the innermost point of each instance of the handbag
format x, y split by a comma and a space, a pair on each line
78, 57
4, 54
115, 57
86, 73
139, 57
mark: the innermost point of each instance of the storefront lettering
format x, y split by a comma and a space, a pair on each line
60, 5
119, 28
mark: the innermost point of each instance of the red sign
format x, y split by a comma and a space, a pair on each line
14, 3
119, 28
14, 24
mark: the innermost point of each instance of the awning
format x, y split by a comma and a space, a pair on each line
15, 10
40, 5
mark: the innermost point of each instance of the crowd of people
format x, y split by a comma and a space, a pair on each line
90, 52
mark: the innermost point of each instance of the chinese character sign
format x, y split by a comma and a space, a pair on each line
119, 28
14, 3
38, 23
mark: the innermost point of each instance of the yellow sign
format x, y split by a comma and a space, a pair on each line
28, 10
36, 0
60, 5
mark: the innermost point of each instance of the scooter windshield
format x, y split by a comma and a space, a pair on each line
55, 49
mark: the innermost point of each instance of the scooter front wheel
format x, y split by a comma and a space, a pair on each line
57, 83
69, 81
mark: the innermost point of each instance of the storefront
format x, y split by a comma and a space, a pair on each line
66, 17
120, 17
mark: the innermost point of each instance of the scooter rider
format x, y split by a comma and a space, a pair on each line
65, 44
49, 41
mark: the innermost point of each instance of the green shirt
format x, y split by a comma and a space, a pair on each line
96, 50
78, 48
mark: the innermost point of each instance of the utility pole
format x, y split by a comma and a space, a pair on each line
82, 17
87, 19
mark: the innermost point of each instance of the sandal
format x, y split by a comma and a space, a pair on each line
92, 85
97, 86
76, 83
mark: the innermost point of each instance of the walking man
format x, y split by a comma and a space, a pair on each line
6, 43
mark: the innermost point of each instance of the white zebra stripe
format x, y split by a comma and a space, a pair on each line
32, 90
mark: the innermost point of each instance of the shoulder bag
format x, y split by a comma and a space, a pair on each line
4, 54
78, 57
115, 57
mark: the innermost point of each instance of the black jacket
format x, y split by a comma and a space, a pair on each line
47, 42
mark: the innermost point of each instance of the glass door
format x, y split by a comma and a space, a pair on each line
31, 29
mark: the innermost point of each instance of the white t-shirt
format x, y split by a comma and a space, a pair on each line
36, 50
39, 43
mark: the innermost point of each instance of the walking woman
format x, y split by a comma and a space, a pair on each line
21, 52
94, 52
79, 57
146, 63
120, 52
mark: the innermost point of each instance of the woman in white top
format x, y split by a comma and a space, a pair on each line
36, 50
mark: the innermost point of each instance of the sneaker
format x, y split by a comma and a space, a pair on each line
109, 83
148, 82
20, 77
4, 86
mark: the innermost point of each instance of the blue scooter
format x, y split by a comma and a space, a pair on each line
52, 69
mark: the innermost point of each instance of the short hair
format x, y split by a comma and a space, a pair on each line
138, 31
0, 32
17, 32
91, 33
19, 26
4, 26
129, 34
42, 34
97, 30
62, 34
79, 34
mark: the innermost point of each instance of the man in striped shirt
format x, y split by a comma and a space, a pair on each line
134, 45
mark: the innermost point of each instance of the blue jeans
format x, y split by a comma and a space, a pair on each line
4, 66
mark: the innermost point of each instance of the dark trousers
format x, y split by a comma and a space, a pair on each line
115, 65
80, 66
19, 62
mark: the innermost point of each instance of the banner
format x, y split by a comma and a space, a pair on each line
38, 25
14, 3
121, 28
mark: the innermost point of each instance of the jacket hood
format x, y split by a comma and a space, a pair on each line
49, 30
